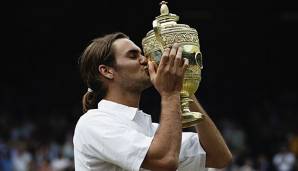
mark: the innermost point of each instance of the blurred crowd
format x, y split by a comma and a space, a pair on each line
264, 138
23, 150
283, 157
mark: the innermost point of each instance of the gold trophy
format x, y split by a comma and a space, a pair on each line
165, 33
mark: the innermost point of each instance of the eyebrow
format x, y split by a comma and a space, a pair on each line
132, 51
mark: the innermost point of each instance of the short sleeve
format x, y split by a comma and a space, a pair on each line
115, 142
192, 155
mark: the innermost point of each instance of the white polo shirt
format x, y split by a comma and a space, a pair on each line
116, 137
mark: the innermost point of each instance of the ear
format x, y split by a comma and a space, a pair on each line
106, 71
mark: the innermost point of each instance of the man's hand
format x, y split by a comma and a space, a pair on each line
167, 78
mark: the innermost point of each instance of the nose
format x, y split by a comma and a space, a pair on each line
143, 60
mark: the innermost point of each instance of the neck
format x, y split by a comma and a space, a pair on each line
124, 97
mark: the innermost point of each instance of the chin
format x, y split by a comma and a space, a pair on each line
147, 84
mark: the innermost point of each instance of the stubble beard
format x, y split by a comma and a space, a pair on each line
143, 84
137, 86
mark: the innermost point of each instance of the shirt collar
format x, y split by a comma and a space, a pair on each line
117, 108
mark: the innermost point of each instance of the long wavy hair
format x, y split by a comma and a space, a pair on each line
99, 51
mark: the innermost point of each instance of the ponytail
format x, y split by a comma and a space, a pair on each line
92, 97
89, 101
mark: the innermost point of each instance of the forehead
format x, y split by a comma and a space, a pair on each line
123, 46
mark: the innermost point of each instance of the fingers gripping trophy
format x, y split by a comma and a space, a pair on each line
165, 33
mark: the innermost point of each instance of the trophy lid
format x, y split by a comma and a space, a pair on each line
166, 20
165, 17
166, 31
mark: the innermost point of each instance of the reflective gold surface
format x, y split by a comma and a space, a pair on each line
165, 33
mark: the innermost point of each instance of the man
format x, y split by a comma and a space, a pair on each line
114, 134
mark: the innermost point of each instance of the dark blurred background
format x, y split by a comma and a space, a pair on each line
249, 84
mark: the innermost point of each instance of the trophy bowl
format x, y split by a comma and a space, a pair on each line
165, 33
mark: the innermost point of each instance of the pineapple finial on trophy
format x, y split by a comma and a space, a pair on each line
164, 10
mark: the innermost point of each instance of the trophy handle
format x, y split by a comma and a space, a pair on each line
157, 33
199, 59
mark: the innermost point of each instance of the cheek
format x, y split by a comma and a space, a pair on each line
127, 72
128, 67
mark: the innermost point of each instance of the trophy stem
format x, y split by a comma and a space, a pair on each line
189, 118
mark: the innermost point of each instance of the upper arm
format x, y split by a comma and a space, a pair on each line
160, 163
155, 158
192, 156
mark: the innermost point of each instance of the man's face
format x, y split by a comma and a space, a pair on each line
131, 69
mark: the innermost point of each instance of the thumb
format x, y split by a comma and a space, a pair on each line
151, 69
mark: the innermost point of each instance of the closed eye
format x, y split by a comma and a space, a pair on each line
134, 53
